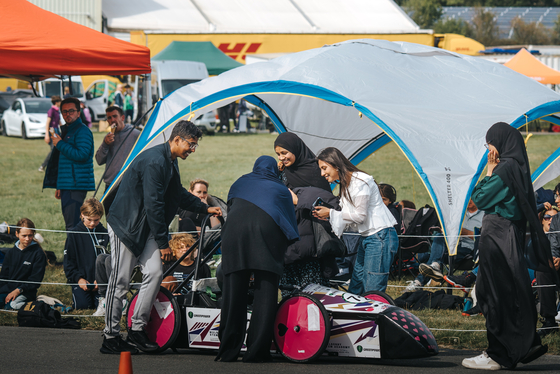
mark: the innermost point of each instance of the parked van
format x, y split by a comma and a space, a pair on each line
97, 97
54, 86
169, 75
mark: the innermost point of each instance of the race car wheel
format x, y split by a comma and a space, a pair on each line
379, 296
302, 328
165, 319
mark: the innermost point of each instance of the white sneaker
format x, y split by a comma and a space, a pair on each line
482, 362
436, 266
124, 305
100, 312
413, 286
558, 317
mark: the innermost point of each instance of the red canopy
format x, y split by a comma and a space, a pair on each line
35, 43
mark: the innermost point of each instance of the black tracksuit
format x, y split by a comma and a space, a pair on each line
80, 252
23, 265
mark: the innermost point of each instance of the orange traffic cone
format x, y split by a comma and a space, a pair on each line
125, 366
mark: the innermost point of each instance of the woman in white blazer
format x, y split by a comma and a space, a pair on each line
363, 207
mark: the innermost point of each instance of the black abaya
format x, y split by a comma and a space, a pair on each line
503, 290
252, 242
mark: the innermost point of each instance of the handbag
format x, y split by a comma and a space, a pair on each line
327, 243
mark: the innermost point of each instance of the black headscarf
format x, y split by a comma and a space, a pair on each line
263, 188
514, 171
305, 171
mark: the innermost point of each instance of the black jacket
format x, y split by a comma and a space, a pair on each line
148, 197
304, 249
26, 265
80, 252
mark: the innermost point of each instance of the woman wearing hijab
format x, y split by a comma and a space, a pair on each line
302, 176
503, 286
261, 223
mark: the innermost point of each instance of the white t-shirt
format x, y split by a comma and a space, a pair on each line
368, 212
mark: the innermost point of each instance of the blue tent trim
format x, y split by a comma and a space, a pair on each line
552, 119
278, 124
545, 165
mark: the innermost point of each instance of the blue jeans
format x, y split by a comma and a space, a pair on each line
435, 255
373, 261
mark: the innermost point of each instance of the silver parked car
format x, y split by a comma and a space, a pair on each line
26, 117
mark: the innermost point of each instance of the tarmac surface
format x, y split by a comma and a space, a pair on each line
42, 350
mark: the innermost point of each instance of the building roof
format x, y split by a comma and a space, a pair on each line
258, 16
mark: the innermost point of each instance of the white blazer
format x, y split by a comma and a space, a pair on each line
368, 212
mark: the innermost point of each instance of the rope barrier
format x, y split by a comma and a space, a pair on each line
101, 233
218, 230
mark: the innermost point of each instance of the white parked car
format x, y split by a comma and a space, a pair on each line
26, 117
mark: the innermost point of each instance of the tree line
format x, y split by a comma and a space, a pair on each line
483, 27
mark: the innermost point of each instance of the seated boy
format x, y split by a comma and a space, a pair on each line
26, 261
80, 252
179, 244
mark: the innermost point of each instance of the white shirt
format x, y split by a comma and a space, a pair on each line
368, 212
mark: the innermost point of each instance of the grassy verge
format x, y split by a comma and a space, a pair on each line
221, 159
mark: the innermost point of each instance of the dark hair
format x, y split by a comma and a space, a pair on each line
185, 130
408, 204
27, 223
112, 108
388, 191
343, 166
557, 188
71, 100
55, 99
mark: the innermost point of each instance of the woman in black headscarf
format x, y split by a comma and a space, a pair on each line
503, 287
298, 163
301, 174
261, 223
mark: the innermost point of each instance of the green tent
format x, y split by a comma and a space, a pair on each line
216, 61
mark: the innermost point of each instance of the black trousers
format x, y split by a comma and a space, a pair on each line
234, 316
547, 295
71, 201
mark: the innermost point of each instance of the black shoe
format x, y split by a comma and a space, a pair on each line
549, 326
141, 341
472, 312
116, 346
431, 272
534, 353
462, 281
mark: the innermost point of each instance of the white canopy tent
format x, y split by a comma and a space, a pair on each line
358, 95
258, 16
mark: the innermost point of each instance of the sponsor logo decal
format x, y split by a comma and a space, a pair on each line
233, 50
190, 314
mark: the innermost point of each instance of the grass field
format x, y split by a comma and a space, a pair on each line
221, 159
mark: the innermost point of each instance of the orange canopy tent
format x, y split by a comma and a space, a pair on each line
527, 64
37, 44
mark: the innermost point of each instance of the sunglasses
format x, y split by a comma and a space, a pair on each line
547, 217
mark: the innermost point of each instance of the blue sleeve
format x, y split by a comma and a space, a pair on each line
82, 152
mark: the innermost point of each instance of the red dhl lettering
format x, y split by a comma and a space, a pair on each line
234, 49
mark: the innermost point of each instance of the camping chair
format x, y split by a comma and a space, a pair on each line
416, 236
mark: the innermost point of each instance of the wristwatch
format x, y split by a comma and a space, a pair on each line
20, 290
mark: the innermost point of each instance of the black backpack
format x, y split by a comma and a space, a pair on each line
40, 314
424, 224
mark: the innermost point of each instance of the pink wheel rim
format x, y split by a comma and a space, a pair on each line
159, 329
292, 332
378, 298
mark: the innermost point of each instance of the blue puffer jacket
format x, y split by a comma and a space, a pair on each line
71, 163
